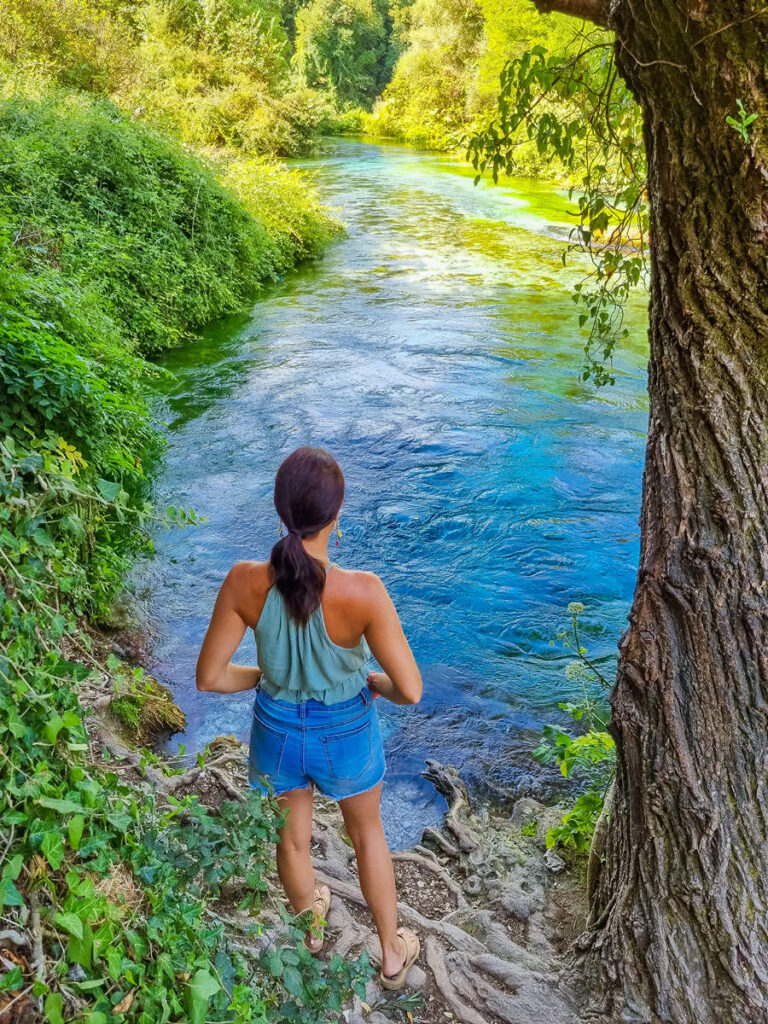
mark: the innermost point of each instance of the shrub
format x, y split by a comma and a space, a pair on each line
590, 758
114, 242
128, 214
212, 73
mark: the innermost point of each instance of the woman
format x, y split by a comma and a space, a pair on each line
314, 721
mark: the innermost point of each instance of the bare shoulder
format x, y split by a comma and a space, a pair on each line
364, 588
249, 574
246, 585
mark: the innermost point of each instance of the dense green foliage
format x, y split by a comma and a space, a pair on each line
589, 757
213, 72
347, 47
115, 243
431, 95
94, 202
446, 81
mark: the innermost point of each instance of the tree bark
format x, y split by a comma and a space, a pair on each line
680, 929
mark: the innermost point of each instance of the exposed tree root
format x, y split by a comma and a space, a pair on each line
434, 866
476, 898
477, 967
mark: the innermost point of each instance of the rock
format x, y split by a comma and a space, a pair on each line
518, 903
145, 711
525, 811
483, 926
76, 973
372, 992
123, 613
554, 862
473, 886
417, 980
373, 948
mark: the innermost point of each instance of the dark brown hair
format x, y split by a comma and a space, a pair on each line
309, 490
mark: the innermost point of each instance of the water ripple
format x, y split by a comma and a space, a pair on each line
434, 351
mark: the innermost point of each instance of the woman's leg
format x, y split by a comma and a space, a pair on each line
362, 819
294, 863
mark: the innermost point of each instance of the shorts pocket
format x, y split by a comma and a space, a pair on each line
267, 745
348, 753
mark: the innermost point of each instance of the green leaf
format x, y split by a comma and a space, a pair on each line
54, 1005
53, 848
79, 950
70, 923
108, 489
9, 894
13, 867
12, 980
75, 831
293, 981
62, 806
275, 964
201, 988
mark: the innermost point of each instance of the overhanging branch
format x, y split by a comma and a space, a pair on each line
595, 11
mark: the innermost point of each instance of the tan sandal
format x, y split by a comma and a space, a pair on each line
321, 904
412, 950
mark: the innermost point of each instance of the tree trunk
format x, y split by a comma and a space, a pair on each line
681, 912
680, 918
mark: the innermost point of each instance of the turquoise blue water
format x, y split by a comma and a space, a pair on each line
435, 352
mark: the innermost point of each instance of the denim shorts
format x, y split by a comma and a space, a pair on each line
335, 747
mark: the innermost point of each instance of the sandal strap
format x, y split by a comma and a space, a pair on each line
322, 901
411, 942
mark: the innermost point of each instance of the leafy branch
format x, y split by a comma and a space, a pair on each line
576, 109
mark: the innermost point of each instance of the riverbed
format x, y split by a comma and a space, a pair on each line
435, 351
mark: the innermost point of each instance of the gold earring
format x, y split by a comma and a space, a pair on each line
338, 533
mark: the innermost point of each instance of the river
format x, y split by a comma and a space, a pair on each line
435, 352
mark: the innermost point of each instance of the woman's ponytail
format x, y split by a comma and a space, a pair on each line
309, 490
298, 576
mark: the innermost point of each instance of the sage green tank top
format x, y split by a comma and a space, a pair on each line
302, 662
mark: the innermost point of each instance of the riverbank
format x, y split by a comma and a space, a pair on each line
495, 910
115, 243
150, 887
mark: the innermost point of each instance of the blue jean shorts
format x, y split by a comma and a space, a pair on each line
335, 747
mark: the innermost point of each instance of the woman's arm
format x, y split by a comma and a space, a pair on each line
401, 680
215, 672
